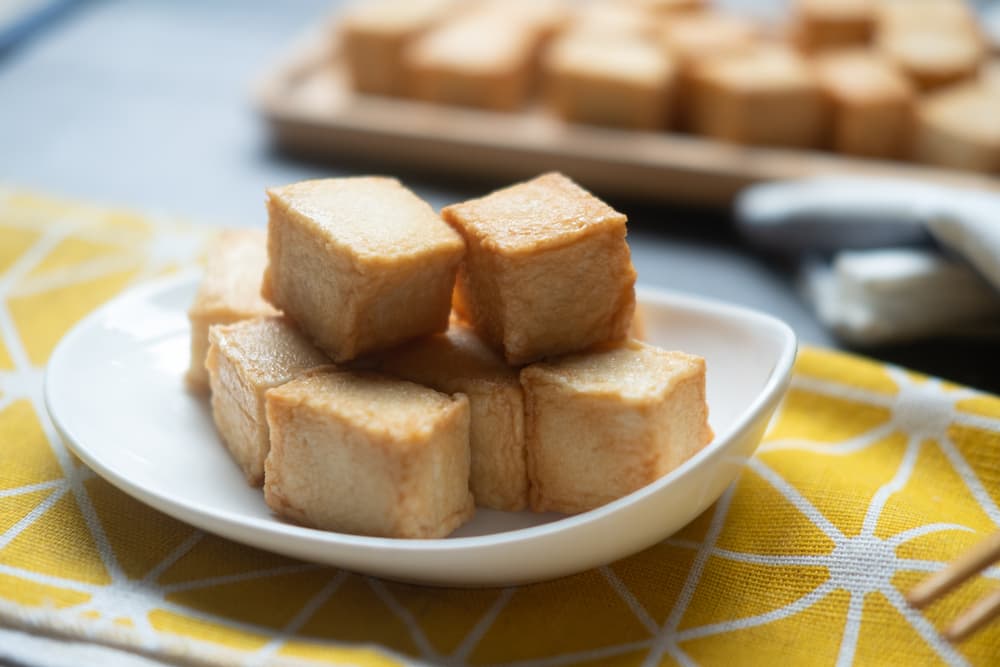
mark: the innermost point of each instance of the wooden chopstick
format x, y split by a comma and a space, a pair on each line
973, 561
974, 617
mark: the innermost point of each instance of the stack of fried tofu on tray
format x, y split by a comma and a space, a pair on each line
381, 369
891, 79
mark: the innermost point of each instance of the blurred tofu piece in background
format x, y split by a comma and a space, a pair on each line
481, 59
924, 14
545, 17
609, 80
960, 127
872, 103
934, 57
935, 42
831, 24
375, 34
990, 75
611, 17
669, 9
768, 95
694, 38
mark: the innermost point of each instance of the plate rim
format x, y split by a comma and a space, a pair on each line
203, 517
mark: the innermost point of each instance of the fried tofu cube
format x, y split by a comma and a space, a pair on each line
693, 39
768, 96
244, 361
375, 34
359, 263
990, 76
960, 127
670, 9
544, 17
833, 24
360, 452
458, 362
609, 17
481, 59
934, 57
925, 14
696, 37
547, 270
872, 103
609, 80
602, 424
229, 292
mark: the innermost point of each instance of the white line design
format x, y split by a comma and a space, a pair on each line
922, 412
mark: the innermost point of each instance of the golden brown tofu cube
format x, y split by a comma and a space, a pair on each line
934, 57
244, 361
872, 103
669, 9
707, 35
229, 292
359, 452
766, 96
923, 14
960, 127
833, 24
458, 362
375, 34
481, 59
545, 17
611, 17
547, 269
359, 263
693, 39
990, 76
609, 80
602, 424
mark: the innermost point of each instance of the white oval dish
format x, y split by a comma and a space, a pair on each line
114, 388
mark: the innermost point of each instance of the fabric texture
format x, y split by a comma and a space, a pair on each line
870, 478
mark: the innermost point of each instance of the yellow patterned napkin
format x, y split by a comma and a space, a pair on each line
870, 478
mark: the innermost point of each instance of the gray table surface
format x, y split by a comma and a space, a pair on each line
147, 104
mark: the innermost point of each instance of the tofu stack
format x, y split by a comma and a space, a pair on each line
407, 366
881, 79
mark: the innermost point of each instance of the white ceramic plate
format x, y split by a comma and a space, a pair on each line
114, 388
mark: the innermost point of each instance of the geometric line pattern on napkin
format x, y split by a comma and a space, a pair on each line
870, 477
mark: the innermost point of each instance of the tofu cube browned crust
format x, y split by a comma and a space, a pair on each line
359, 263
609, 80
244, 361
458, 362
834, 24
603, 424
934, 57
480, 59
765, 96
872, 103
693, 39
547, 269
375, 34
229, 292
960, 127
359, 452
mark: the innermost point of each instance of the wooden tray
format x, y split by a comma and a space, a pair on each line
312, 111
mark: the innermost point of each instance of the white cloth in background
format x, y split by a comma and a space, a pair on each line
883, 280
887, 295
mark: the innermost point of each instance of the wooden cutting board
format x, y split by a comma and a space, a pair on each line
312, 111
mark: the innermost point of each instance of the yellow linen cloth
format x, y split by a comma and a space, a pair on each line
869, 478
